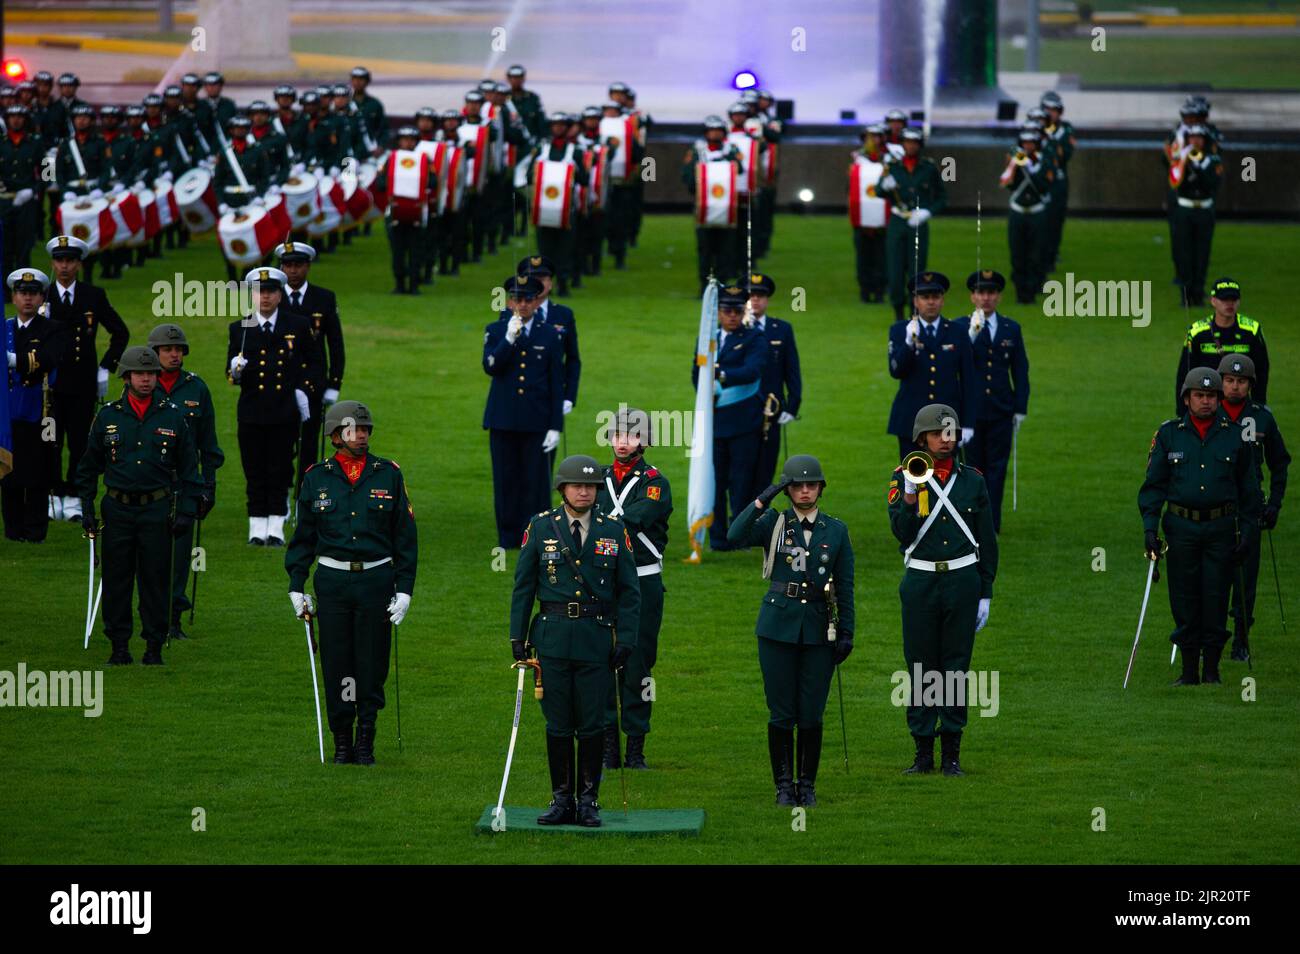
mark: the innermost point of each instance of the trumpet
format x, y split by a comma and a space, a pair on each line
1050, 130
919, 467
1195, 155
1020, 158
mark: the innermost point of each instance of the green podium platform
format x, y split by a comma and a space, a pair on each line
684, 822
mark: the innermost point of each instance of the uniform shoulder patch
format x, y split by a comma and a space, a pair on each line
653, 492
894, 494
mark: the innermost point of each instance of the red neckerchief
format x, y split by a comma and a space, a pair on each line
426, 136
139, 405
560, 142
909, 162
738, 129
352, 466
16, 137
168, 379
943, 469
621, 469
82, 137
137, 132
1202, 426
109, 135
1233, 410
240, 144
286, 115
260, 131
874, 156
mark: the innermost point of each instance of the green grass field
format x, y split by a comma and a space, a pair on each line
1183, 775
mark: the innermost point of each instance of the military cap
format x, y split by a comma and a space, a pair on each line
172, 92
43, 76
138, 358
802, 469
214, 77
292, 251
914, 135
360, 72
345, 413
340, 89
928, 282
474, 96
1202, 104
408, 132
152, 99
26, 86
28, 279
67, 246
732, 296
761, 285
451, 114
1198, 129
737, 107
69, 79
633, 422
1051, 100
618, 87
502, 88
426, 112
986, 280
1036, 115
578, 469
765, 94
487, 86
573, 119
934, 417
268, 278
110, 111
323, 90
1238, 364
896, 116
284, 89
1029, 134
169, 334
190, 79
1225, 288
535, 265
558, 117
516, 70
310, 98
258, 106
874, 129
83, 109
610, 104
749, 96
1201, 379
239, 119
591, 112
17, 109
523, 287
132, 111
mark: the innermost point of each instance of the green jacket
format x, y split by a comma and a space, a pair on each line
1201, 474
141, 455
372, 114
275, 154
192, 396
155, 154
1269, 449
694, 156
922, 188
529, 105
1201, 179
94, 156
367, 521
20, 166
827, 556
647, 505
608, 572
327, 141
253, 163
945, 541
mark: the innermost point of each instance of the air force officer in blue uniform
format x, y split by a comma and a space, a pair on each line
781, 378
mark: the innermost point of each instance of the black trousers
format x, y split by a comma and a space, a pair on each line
136, 548
73, 415
266, 452
734, 460
520, 481
990, 450
309, 439
354, 638
715, 252
559, 245
25, 493
869, 252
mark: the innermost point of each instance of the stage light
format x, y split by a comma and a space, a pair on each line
14, 71
744, 80
806, 195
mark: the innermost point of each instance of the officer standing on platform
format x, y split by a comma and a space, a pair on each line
356, 521
944, 529
782, 385
525, 408
805, 620
190, 393
560, 318
579, 564
144, 447
737, 410
1223, 333
1259, 430
1204, 472
82, 377
999, 357
933, 361
319, 306
639, 494
914, 189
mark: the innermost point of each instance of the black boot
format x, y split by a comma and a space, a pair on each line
343, 753
121, 655
1240, 649
559, 755
152, 655
365, 749
609, 754
399, 285
635, 752
780, 749
1210, 675
810, 754
950, 746
589, 757
176, 632
1190, 676
923, 763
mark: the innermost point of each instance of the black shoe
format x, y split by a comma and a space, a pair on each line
635, 752
864, 296
589, 757
1190, 676
609, 752
923, 762
559, 756
343, 751
950, 747
274, 542
398, 289
780, 750
257, 542
1210, 661
1239, 652
810, 754
153, 655
177, 633
120, 657
365, 747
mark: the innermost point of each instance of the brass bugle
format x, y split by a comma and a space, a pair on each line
919, 466
1020, 157
1195, 155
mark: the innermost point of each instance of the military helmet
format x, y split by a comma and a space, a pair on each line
934, 417
190, 79
360, 72
152, 99
258, 106
1201, 379
110, 111
578, 469
426, 112
138, 358
1239, 364
1052, 100
343, 413
714, 122
896, 116
591, 112
284, 89
631, 421
516, 70
169, 334
171, 92
802, 469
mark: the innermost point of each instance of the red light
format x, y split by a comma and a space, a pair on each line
14, 70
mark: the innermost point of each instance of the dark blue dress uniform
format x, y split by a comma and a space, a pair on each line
781, 378
940, 369
525, 401
558, 316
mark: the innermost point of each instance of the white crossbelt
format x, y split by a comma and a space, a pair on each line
1028, 209
1195, 203
648, 569
942, 502
334, 564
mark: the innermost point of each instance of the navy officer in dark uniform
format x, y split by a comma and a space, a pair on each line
933, 361
525, 408
560, 318
737, 410
1002, 373
781, 388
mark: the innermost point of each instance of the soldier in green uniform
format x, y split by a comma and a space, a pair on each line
326, 140
639, 494
406, 239
215, 111
944, 528
913, 187
1194, 177
370, 109
579, 563
188, 392
1058, 136
91, 174
231, 192
58, 117
21, 186
355, 520
805, 620
1204, 472
1227, 331
290, 122
144, 447
275, 146
1028, 176
528, 103
1259, 430
717, 250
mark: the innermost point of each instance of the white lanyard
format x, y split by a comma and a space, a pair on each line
942, 501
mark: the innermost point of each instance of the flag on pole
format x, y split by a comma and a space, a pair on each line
699, 500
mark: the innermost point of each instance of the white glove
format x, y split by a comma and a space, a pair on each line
334, 172
258, 201
918, 218
909, 487
13, 359
982, 614
137, 187
117, 189
967, 433
97, 193
298, 168
304, 408
887, 184
913, 332
330, 396
22, 197
1018, 419
785, 417
273, 190
70, 197
166, 176
976, 323
550, 441
237, 364
568, 406
101, 382
515, 326
302, 601
398, 606
222, 209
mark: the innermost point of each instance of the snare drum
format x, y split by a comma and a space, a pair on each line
197, 200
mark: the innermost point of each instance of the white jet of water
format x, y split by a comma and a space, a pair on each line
932, 12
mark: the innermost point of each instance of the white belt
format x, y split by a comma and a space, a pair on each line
650, 569
1196, 203
943, 565
1028, 209
354, 566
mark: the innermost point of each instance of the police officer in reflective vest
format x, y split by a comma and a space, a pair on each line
1226, 332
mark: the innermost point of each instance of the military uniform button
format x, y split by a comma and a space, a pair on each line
932, 396
989, 377
987, 391
521, 377
521, 390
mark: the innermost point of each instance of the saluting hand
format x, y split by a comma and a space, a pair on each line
768, 495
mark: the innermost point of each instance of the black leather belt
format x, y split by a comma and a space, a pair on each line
576, 610
1200, 516
796, 591
138, 500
